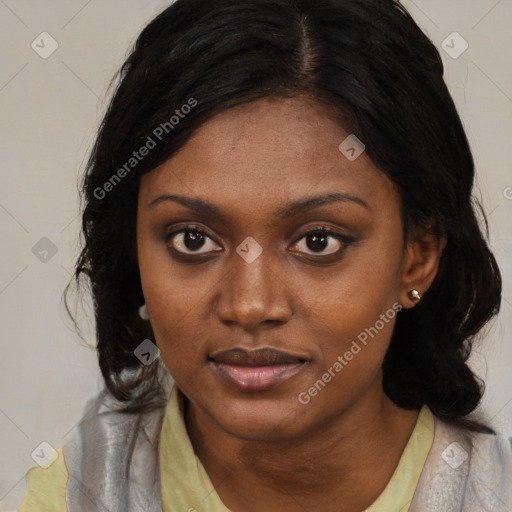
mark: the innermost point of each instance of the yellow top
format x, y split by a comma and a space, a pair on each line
46, 487
191, 487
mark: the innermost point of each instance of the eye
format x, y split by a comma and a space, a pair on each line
322, 241
191, 241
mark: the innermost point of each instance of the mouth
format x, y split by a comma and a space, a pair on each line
255, 370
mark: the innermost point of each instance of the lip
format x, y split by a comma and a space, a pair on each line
256, 370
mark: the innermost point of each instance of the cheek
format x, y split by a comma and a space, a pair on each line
353, 346
179, 332
171, 291
174, 304
356, 296
355, 316
351, 351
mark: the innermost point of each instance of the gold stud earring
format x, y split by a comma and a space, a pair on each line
414, 295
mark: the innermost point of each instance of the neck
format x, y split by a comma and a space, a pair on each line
344, 464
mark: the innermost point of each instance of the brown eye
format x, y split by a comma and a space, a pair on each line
321, 242
191, 241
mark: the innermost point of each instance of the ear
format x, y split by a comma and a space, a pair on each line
420, 264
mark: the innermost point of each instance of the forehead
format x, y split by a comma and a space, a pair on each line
269, 149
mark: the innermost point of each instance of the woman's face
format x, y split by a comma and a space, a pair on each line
236, 261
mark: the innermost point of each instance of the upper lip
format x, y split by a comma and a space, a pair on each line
260, 357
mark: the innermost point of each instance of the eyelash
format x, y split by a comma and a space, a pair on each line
346, 241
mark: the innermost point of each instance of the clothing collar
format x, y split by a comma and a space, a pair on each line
185, 485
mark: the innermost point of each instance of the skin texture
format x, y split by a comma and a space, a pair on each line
266, 450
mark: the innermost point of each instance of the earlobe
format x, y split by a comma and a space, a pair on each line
421, 263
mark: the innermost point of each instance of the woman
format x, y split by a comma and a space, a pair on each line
279, 214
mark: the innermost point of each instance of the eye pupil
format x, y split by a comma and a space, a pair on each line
317, 242
193, 240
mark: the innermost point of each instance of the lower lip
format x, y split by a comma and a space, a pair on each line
256, 378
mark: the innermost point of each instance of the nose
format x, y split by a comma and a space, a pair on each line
254, 293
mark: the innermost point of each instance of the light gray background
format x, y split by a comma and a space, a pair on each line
50, 110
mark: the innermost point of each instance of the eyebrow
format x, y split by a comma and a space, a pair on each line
288, 210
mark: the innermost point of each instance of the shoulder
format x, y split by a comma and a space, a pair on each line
46, 487
466, 469
491, 466
489, 481
97, 454
484, 451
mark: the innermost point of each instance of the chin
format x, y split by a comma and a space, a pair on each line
268, 420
